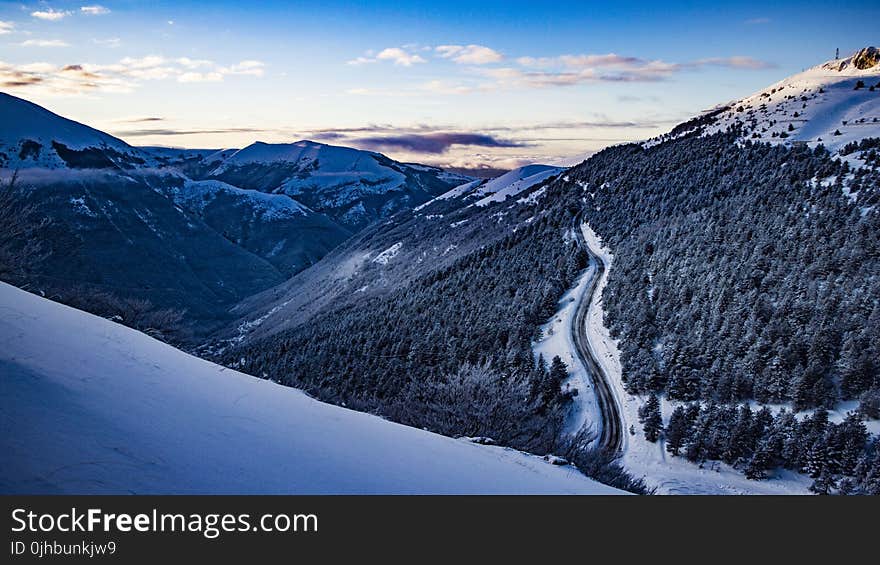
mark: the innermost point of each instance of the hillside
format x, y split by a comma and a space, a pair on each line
833, 104
163, 225
92, 407
350, 186
743, 290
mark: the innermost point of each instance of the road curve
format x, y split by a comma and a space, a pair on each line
611, 437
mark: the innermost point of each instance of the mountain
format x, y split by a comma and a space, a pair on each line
188, 229
498, 189
433, 235
92, 407
350, 186
31, 137
833, 104
743, 281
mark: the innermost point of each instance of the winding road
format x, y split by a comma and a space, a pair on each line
611, 437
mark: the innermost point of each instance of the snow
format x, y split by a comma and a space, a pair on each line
556, 339
514, 182
199, 194
825, 99
327, 167
389, 254
90, 406
533, 198
501, 187
643, 459
456, 192
22, 121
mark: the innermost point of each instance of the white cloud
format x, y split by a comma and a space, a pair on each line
194, 63
43, 43
50, 14
200, 77
94, 10
6, 27
469, 54
396, 55
123, 76
111, 42
758, 21
399, 57
147, 62
443, 87
361, 61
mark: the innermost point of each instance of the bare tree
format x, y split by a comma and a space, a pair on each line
20, 248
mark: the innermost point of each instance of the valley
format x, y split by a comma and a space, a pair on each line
703, 305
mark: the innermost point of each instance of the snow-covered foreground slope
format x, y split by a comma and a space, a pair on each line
90, 406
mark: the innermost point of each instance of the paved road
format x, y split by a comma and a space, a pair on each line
611, 437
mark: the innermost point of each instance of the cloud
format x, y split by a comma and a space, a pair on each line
95, 10
758, 21
142, 120
200, 77
43, 43
737, 62
399, 57
194, 63
173, 132
249, 67
396, 55
123, 76
6, 27
50, 15
569, 70
433, 143
111, 42
443, 87
469, 54
581, 61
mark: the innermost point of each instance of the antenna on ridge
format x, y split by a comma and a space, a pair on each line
837, 53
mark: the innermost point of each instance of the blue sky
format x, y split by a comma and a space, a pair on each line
452, 83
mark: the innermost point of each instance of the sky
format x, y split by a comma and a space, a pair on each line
458, 84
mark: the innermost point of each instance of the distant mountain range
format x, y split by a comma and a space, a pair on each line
194, 229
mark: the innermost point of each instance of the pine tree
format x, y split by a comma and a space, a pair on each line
652, 420
823, 484
760, 461
676, 431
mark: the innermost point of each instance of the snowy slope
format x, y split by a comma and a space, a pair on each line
320, 167
820, 104
199, 194
514, 182
498, 189
89, 406
28, 132
351, 186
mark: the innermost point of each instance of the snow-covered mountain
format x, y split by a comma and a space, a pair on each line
834, 103
387, 254
351, 186
193, 229
31, 137
498, 189
92, 407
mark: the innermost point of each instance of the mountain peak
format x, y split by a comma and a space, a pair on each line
867, 58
